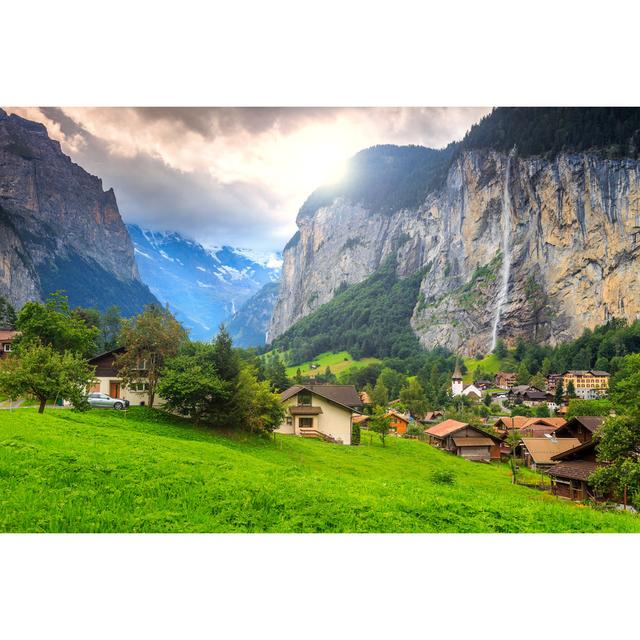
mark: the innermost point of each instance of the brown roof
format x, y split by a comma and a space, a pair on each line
359, 419
515, 422
579, 451
443, 429
7, 335
397, 414
573, 469
344, 394
473, 442
305, 411
591, 423
542, 449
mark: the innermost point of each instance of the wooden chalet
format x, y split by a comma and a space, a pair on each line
570, 475
581, 427
505, 380
398, 421
7, 336
464, 440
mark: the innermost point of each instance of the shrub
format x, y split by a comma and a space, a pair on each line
355, 434
443, 476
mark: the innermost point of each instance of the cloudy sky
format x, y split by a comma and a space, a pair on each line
232, 175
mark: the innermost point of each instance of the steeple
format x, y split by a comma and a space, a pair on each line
456, 381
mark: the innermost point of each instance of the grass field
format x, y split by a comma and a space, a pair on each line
339, 362
490, 363
105, 471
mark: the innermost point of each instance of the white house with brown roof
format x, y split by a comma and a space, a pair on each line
322, 411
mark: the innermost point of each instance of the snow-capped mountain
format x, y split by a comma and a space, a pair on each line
203, 286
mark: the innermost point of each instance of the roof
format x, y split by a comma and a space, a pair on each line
360, 418
584, 372
106, 353
577, 452
542, 449
573, 469
506, 374
456, 372
473, 442
343, 394
591, 423
430, 415
513, 422
397, 414
445, 428
7, 334
304, 411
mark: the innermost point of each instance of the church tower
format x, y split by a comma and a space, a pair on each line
456, 382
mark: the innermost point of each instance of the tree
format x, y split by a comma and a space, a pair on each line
521, 349
523, 374
259, 409
501, 349
110, 328
380, 395
393, 381
513, 440
588, 408
54, 324
45, 373
625, 386
571, 389
619, 446
276, 373
559, 392
487, 400
542, 411
413, 398
190, 383
8, 318
149, 340
538, 381
380, 423
298, 377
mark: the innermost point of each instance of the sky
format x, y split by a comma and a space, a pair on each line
233, 176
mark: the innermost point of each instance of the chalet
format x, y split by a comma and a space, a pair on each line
581, 427
528, 396
552, 382
589, 385
505, 424
320, 411
7, 336
432, 416
464, 440
570, 475
483, 385
504, 380
107, 380
398, 421
537, 453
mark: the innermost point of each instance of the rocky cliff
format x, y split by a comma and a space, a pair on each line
58, 228
513, 247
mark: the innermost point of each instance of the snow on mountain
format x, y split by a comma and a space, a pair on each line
203, 286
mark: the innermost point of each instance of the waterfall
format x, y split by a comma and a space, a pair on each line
505, 271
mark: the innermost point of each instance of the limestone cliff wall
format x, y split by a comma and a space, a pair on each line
569, 228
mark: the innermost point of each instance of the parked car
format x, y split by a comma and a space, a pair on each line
104, 401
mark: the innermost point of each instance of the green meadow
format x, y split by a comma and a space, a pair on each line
339, 362
143, 471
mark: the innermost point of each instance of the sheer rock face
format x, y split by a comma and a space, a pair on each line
574, 244
53, 213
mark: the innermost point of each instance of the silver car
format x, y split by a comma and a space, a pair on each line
104, 401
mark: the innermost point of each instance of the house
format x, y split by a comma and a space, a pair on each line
504, 380
483, 385
552, 382
504, 424
581, 427
537, 453
320, 411
107, 380
7, 336
589, 385
528, 396
473, 392
398, 421
432, 416
464, 440
570, 475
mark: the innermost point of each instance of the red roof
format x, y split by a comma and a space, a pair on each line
7, 335
446, 428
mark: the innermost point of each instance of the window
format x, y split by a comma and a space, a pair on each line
305, 423
289, 420
139, 387
304, 398
6, 347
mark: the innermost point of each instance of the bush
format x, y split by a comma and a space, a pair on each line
355, 434
414, 429
443, 476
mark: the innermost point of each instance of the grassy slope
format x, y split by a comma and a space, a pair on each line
339, 362
490, 363
104, 471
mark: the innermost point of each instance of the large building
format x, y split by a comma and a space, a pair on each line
589, 385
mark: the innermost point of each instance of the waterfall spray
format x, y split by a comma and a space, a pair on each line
505, 223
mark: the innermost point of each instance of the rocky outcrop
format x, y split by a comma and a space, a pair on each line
569, 228
60, 229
